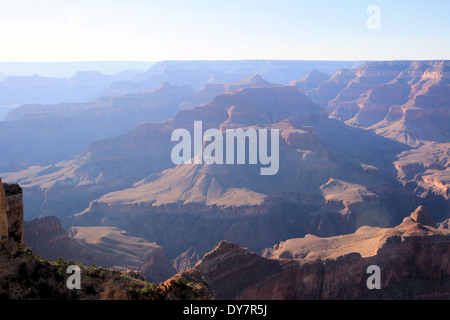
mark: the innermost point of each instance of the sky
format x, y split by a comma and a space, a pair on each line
149, 30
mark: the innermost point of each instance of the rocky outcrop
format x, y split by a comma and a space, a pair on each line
101, 246
15, 214
425, 172
329, 89
4, 208
156, 267
413, 259
48, 134
328, 183
11, 211
186, 260
177, 288
229, 269
422, 216
444, 224
403, 100
24, 276
310, 81
238, 189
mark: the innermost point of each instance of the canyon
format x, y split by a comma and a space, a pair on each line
413, 258
359, 150
26, 276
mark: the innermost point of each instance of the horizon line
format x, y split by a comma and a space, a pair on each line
217, 60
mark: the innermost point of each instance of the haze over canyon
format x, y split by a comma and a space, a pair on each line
363, 179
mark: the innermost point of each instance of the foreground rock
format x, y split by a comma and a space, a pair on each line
26, 276
413, 258
11, 211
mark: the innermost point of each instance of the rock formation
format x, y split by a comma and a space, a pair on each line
101, 246
383, 152
329, 89
403, 100
422, 216
11, 211
229, 269
329, 181
413, 259
186, 260
46, 134
444, 224
310, 81
4, 208
24, 276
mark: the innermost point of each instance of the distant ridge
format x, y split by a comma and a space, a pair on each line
69, 68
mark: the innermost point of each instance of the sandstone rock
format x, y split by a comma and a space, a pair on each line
101, 246
15, 213
402, 100
410, 258
328, 90
25, 277
228, 269
310, 81
422, 216
4, 208
186, 260
444, 224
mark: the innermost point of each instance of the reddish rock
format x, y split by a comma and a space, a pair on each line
310, 81
4, 208
229, 269
422, 216
413, 259
13, 210
102, 246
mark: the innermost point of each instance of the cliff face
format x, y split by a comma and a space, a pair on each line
229, 269
310, 81
14, 196
4, 208
11, 211
44, 134
105, 246
314, 173
413, 259
25, 276
403, 100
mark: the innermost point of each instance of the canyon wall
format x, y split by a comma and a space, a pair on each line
25, 276
11, 211
413, 259
4, 208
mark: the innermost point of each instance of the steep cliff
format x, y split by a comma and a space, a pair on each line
14, 197
26, 276
403, 100
413, 258
101, 246
330, 179
310, 81
4, 208
11, 211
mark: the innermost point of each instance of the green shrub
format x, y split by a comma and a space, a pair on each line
181, 281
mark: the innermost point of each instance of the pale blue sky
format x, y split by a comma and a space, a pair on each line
58, 30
